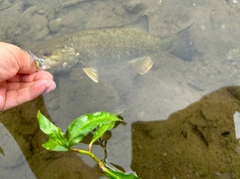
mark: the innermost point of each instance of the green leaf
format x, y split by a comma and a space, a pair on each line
101, 130
119, 175
54, 146
81, 126
56, 136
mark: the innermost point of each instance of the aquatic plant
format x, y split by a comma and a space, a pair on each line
98, 122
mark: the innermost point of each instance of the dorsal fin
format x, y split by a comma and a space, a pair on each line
141, 24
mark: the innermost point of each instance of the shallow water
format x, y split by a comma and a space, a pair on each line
182, 119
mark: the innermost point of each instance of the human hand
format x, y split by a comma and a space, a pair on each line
20, 81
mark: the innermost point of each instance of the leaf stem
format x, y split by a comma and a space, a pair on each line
90, 154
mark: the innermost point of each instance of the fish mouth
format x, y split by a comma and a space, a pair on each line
39, 62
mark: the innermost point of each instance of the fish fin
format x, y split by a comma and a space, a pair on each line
142, 65
182, 46
91, 73
141, 24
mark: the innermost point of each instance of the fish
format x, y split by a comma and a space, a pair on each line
131, 44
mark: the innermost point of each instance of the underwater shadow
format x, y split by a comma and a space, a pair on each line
21, 123
196, 142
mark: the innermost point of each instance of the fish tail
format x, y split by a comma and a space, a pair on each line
182, 46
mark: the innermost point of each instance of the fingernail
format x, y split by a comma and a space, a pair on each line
51, 85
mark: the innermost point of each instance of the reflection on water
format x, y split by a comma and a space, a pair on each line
197, 142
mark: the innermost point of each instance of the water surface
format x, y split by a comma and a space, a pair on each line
182, 117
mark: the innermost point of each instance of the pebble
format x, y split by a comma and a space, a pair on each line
55, 25
43, 34
30, 12
134, 6
5, 4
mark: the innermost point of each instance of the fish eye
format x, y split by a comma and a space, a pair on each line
46, 54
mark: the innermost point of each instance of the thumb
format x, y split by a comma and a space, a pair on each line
15, 60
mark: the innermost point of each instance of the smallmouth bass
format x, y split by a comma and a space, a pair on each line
113, 45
